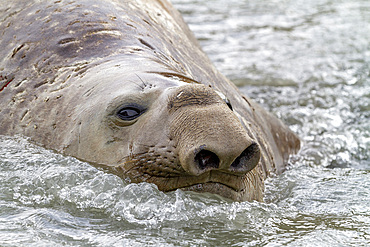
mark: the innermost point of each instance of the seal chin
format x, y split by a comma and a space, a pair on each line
226, 185
218, 188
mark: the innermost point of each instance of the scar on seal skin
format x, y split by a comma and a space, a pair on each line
124, 85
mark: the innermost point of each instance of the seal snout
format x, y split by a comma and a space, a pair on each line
208, 135
206, 160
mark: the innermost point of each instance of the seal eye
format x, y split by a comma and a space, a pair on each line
129, 113
227, 101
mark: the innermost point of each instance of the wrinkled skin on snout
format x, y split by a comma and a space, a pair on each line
174, 134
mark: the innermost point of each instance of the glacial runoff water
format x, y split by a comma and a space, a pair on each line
308, 62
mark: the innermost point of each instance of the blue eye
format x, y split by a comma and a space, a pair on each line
129, 113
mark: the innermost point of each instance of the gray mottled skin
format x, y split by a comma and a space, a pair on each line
67, 66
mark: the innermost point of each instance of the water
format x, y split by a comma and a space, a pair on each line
306, 61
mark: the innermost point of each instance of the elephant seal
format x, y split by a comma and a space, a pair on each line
124, 85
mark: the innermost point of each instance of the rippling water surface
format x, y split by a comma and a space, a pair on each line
308, 62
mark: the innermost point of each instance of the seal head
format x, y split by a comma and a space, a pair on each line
199, 144
172, 133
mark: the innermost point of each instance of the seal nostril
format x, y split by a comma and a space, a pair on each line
248, 159
206, 159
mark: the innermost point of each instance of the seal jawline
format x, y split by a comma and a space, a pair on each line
203, 183
201, 187
221, 189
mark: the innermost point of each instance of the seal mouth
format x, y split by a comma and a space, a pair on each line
221, 189
235, 187
215, 182
168, 177
201, 187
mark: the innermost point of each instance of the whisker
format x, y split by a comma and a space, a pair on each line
145, 84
